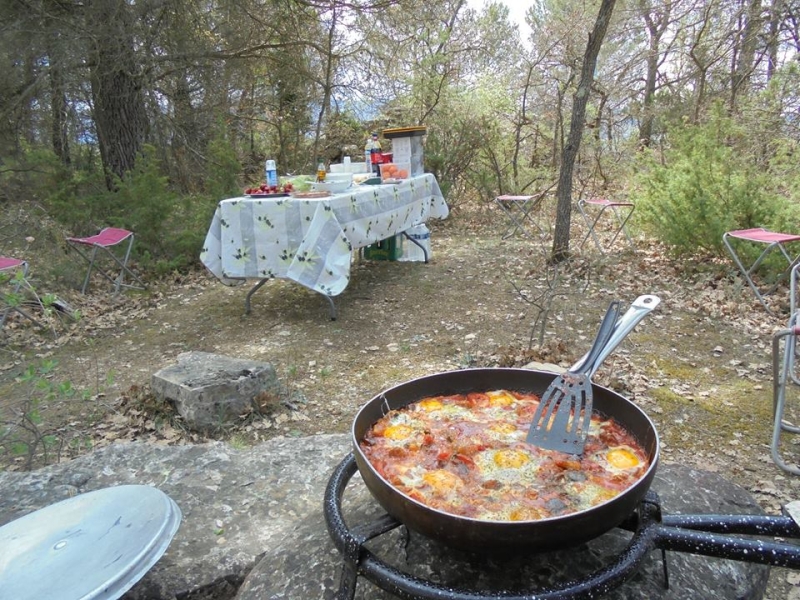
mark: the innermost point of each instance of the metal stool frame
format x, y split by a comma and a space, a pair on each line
106, 240
519, 209
616, 207
784, 373
773, 240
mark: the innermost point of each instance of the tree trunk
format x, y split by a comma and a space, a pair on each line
775, 15
655, 30
119, 112
59, 111
564, 191
744, 67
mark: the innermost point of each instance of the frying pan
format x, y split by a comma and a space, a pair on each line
492, 536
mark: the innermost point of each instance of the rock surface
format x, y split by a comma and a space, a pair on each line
253, 524
210, 389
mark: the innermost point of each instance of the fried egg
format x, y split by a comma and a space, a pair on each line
622, 458
442, 481
500, 398
507, 465
398, 432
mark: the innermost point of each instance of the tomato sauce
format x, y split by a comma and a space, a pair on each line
466, 454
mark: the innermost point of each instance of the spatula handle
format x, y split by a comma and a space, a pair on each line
604, 334
638, 310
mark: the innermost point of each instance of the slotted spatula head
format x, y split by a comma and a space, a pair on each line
561, 421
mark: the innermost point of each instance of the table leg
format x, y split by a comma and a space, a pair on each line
255, 288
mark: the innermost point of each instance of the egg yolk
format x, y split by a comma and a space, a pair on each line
511, 458
503, 427
524, 514
622, 458
500, 399
430, 404
397, 432
442, 481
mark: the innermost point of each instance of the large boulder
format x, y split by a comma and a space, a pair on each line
253, 525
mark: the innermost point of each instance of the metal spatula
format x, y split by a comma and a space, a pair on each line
561, 421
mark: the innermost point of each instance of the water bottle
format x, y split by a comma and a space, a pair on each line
375, 155
271, 175
368, 155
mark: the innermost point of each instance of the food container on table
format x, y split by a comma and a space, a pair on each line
334, 183
395, 171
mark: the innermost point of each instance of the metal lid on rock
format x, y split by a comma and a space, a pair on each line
92, 546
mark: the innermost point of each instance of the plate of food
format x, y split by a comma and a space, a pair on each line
267, 195
274, 191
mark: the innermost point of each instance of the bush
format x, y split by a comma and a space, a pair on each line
707, 183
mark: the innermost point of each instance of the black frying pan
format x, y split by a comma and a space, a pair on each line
478, 535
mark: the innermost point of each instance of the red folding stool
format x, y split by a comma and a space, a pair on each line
758, 235
622, 211
105, 241
7, 266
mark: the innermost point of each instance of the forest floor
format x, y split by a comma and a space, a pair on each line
700, 365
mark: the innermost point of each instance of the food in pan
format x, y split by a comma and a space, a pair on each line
465, 454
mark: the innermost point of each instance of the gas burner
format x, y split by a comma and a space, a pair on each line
593, 570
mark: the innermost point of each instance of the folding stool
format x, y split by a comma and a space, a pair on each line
8, 265
784, 373
519, 210
622, 211
105, 242
759, 235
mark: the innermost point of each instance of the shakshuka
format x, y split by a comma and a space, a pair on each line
466, 455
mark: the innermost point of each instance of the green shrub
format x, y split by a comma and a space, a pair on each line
707, 182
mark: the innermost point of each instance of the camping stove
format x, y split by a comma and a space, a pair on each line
593, 570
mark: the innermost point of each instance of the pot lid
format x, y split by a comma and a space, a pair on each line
92, 546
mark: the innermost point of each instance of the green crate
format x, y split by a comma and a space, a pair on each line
388, 249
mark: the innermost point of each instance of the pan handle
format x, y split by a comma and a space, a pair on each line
638, 310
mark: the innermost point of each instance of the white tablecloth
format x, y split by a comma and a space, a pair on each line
310, 240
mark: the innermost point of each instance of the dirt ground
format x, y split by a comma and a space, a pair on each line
700, 365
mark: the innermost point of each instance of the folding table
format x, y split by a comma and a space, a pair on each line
622, 211
311, 240
773, 241
7, 266
105, 241
520, 210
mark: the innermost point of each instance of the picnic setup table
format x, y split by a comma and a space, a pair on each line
310, 240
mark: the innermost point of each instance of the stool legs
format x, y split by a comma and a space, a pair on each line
782, 375
592, 224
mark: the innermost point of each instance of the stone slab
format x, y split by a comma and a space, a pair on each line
236, 504
209, 389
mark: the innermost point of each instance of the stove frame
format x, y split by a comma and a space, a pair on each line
708, 535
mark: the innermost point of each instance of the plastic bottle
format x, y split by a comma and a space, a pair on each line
368, 155
320, 171
375, 155
271, 175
